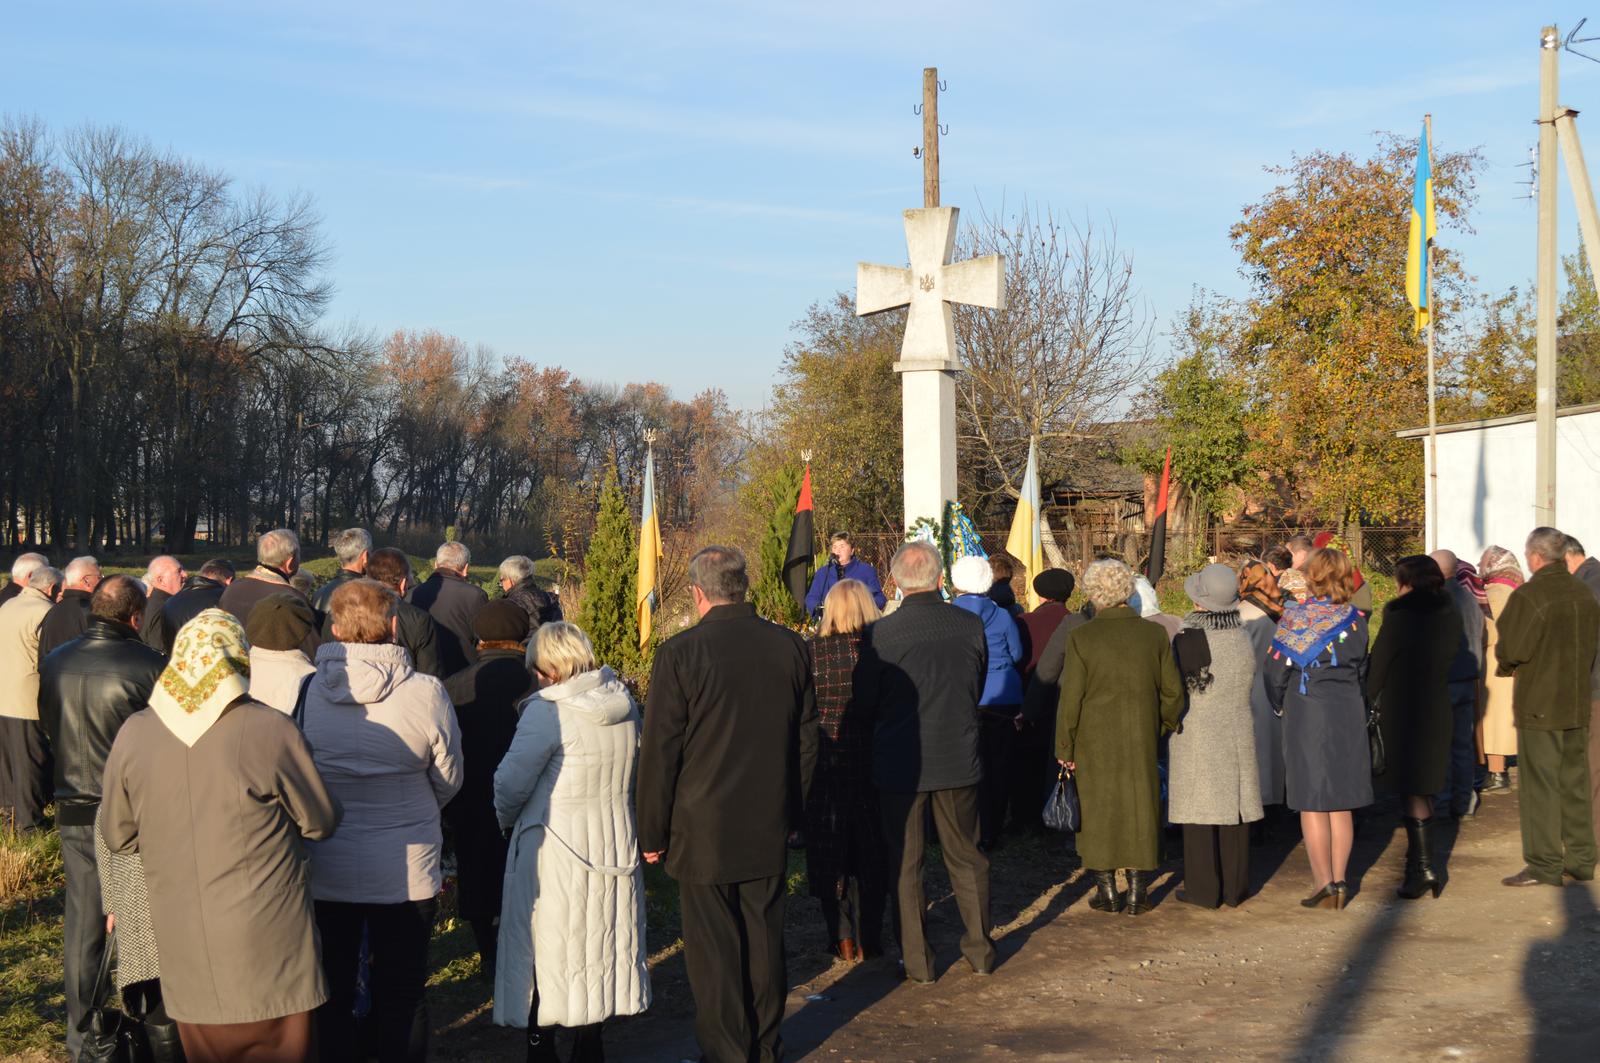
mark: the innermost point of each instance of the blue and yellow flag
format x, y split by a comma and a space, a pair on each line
649, 550
1422, 231
1026, 541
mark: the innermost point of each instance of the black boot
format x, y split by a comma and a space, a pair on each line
1499, 783
1420, 874
1138, 892
1105, 897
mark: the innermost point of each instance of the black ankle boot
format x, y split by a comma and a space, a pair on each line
542, 1045
1139, 892
1499, 783
1420, 874
1105, 897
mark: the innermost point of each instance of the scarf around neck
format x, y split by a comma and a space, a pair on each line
208, 671
1308, 628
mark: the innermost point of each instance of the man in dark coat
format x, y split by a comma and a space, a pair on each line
1549, 634
68, 618
87, 689
21, 571
201, 591
923, 666
518, 584
730, 738
414, 629
351, 547
485, 695
164, 578
277, 560
1587, 569
452, 602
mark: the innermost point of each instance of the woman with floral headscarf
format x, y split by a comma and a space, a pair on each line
218, 794
1501, 575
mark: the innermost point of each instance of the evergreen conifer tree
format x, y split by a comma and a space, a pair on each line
610, 568
771, 594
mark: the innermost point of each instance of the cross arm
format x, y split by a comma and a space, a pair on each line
977, 282
880, 288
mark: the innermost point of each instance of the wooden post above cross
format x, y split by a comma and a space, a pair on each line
929, 286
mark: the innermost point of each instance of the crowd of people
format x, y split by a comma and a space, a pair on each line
259, 788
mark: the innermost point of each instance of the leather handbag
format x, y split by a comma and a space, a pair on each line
1380, 756
109, 1035
1062, 811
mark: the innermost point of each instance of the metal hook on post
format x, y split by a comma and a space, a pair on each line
917, 109
942, 84
944, 130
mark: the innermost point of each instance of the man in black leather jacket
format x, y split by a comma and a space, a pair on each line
87, 689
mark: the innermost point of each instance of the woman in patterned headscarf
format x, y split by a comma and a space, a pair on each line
1501, 575
217, 794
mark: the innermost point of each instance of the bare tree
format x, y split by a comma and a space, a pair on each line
1074, 341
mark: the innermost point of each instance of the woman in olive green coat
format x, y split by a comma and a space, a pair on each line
1120, 692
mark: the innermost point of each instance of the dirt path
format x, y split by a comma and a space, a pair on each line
1484, 973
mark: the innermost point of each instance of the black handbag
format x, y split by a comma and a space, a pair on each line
1062, 811
109, 1035
1380, 756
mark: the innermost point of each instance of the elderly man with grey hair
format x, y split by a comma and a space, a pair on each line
69, 617
1549, 634
730, 741
163, 578
277, 559
452, 601
351, 547
24, 748
518, 584
21, 569
923, 668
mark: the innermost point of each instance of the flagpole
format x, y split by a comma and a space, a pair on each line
1431, 503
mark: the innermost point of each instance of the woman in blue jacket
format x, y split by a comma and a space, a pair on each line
1000, 709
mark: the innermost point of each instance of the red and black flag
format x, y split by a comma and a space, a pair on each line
1158, 531
802, 536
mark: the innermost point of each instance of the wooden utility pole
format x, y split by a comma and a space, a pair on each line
1544, 465
1432, 506
930, 136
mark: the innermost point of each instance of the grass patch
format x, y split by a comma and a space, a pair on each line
32, 999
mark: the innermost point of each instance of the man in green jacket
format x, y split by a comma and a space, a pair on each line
1549, 635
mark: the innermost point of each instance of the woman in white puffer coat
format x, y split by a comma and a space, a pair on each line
572, 945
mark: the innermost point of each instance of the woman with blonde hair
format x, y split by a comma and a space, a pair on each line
1120, 692
844, 845
1501, 575
1314, 681
572, 945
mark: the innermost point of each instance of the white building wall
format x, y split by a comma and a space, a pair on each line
1486, 485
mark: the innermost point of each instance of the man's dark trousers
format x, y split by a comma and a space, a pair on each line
955, 817
83, 927
733, 951
1461, 770
1557, 818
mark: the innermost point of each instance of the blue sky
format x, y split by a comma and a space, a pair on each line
657, 191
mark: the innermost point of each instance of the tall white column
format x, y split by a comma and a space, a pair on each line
928, 433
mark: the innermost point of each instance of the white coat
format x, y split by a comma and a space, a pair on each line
573, 909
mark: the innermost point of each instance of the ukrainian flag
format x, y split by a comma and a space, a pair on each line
649, 550
1422, 232
1026, 541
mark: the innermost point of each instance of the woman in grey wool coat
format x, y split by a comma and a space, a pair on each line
1214, 784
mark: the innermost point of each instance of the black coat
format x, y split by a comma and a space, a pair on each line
87, 689
65, 621
150, 622
324, 594
541, 606
923, 667
452, 602
485, 696
1408, 674
730, 739
199, 593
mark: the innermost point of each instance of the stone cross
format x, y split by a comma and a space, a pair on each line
928, 359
